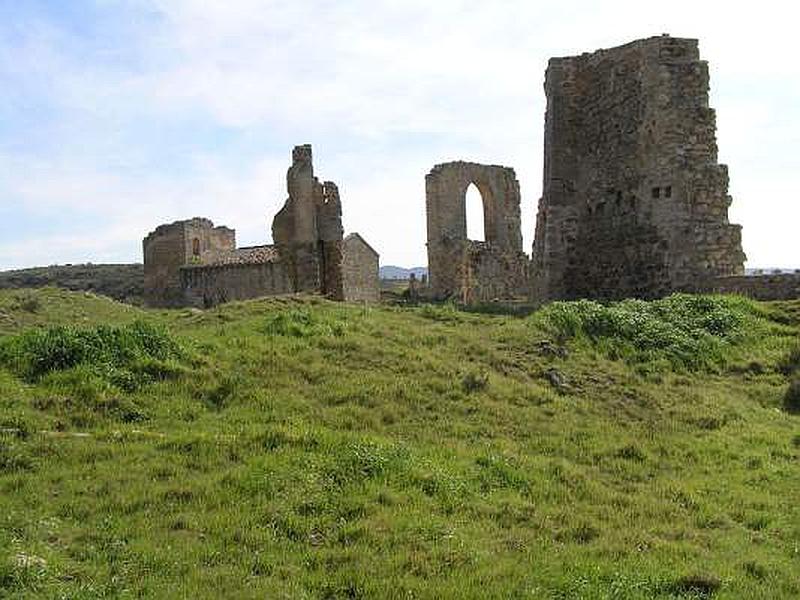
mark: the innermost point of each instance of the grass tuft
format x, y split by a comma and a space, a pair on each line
699, 585
302, 323
475, 381
791, 401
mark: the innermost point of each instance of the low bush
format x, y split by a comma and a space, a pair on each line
126, 356
684, 330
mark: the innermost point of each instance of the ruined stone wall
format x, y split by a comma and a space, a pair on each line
194, 263
779, 286
360, 270
208, 286
308, 229
331, 235
205, 243
164, 254
170, 247
634, 202
470, 270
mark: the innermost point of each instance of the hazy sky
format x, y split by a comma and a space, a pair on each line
119, 115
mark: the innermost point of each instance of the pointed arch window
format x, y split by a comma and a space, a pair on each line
476, 214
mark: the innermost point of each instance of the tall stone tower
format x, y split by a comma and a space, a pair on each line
634, 201
308, 229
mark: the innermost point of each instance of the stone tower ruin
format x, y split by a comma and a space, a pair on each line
308, 229
634, 202
469, 270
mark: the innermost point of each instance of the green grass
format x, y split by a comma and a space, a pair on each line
296, 448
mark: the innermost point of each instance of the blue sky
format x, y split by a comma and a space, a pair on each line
118, 115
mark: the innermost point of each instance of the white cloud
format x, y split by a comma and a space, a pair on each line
384, 90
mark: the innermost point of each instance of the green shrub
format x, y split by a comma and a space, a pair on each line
684, 330
123, 356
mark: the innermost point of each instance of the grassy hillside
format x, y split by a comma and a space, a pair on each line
121, 282
295, 448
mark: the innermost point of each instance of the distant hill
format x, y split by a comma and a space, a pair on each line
393, 272
121, 282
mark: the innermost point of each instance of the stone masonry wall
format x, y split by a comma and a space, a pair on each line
470, 270
308, 229
634, 202
192, 262
174, 245
164, 255
331, 234
360, 271
208, 286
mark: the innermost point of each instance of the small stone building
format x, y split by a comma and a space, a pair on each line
360, 270
194, 263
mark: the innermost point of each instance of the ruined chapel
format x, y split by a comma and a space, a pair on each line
194, 263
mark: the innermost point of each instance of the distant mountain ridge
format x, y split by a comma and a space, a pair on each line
394, 272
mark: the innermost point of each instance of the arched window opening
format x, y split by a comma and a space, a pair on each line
476, 219
196, 247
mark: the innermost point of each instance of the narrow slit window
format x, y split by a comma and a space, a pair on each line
668, 191
656, 192
195, 247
